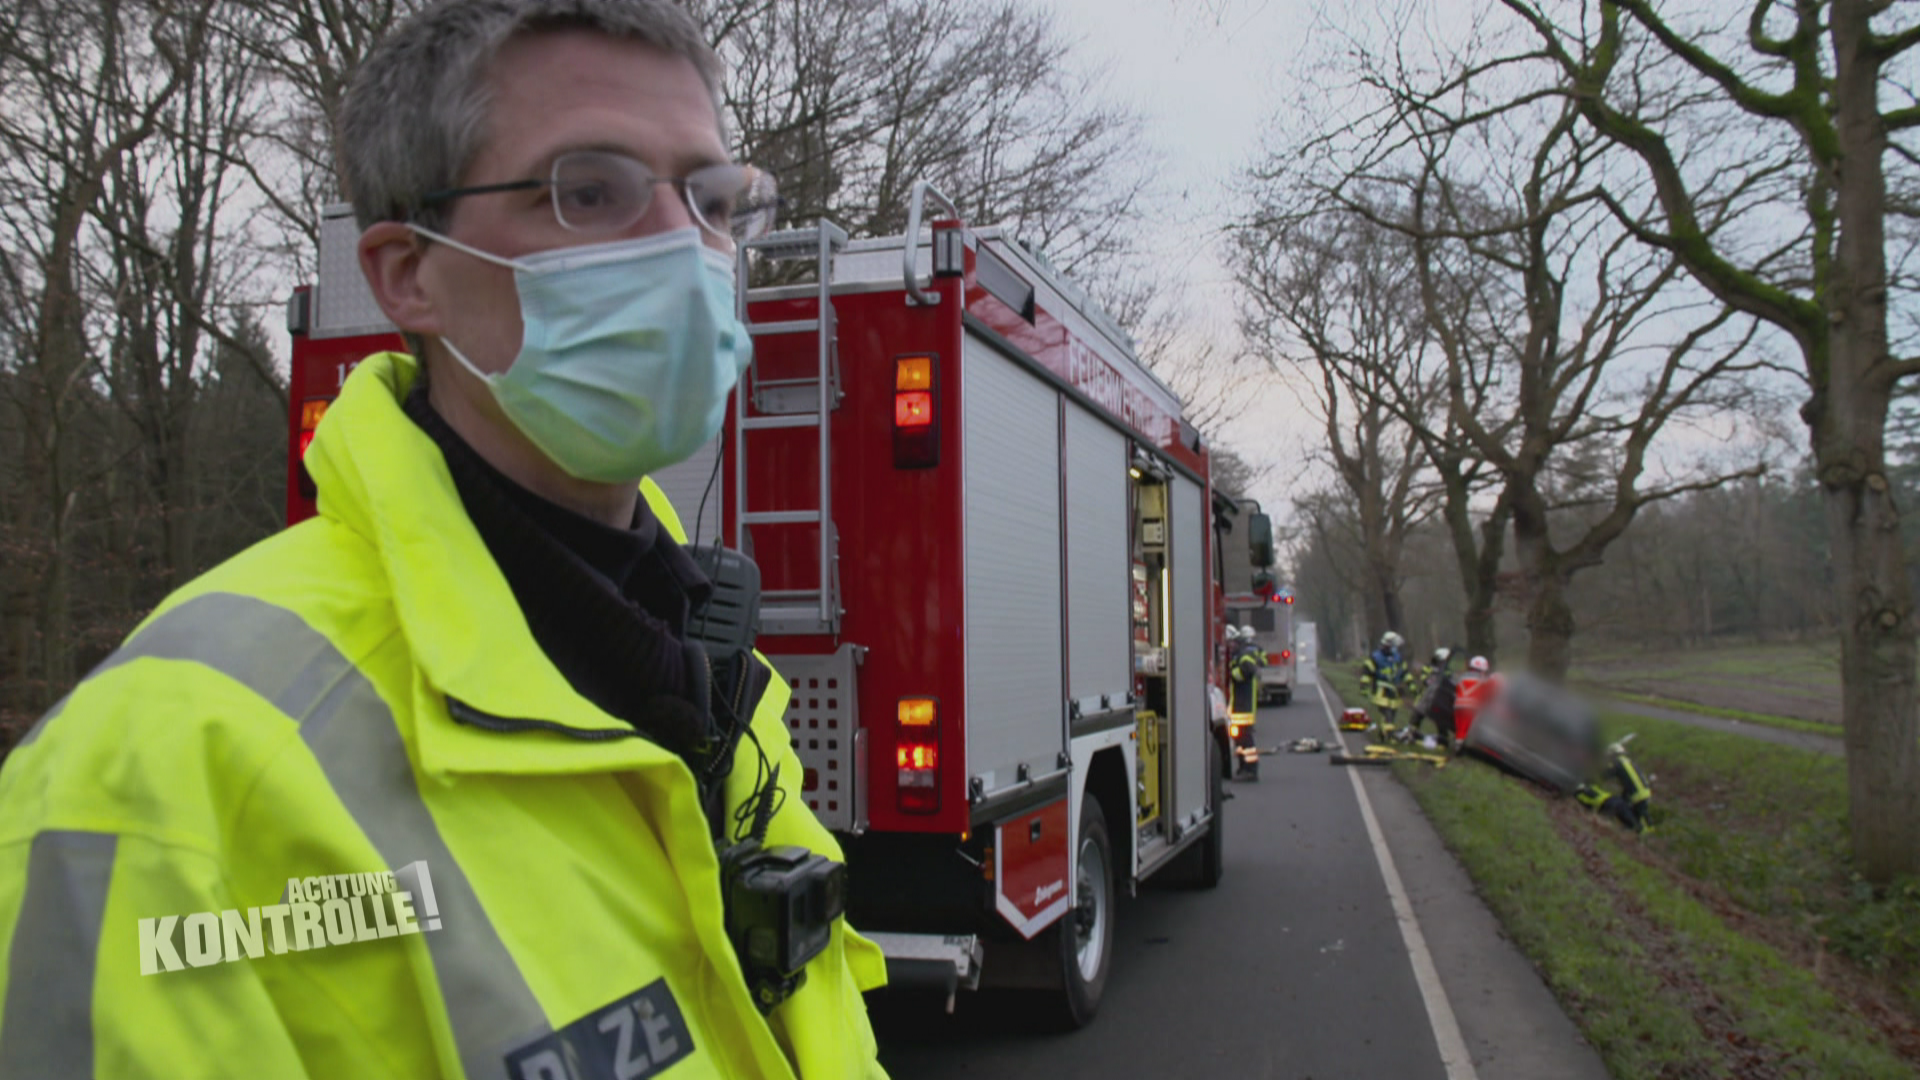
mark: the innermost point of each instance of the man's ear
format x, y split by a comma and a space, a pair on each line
390, 256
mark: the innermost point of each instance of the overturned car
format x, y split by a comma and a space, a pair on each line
1542, 731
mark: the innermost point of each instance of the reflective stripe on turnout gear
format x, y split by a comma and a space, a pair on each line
351, 733
48, 1018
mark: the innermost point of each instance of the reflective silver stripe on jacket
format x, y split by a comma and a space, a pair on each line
47, 1029
351, 731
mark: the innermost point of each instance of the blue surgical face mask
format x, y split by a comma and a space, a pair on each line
627, 353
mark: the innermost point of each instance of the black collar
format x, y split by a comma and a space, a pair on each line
608, 606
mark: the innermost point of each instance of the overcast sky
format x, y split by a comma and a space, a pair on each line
1206, 76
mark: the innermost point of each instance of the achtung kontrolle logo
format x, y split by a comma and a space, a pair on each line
316, 912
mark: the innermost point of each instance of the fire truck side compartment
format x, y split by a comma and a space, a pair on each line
1011, 463
1098, 645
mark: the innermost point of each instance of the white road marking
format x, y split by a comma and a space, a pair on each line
1446, 1029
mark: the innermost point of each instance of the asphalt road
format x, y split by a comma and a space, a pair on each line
1294, 967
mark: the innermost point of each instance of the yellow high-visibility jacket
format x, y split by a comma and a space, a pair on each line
284, 719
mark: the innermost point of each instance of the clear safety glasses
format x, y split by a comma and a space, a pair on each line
600, 193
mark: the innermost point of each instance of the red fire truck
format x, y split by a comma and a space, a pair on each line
988, 572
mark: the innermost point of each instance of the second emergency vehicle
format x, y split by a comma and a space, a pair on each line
1253, 598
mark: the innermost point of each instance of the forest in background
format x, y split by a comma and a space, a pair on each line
162, 168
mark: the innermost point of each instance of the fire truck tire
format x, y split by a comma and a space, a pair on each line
1084, 936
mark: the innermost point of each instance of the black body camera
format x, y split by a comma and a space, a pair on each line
780, 902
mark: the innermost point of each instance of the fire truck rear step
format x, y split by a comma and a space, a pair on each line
949, 962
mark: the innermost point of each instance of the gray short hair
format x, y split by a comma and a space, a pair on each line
415, 113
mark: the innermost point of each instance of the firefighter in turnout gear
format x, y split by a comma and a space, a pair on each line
1244, 660
1383, 677
474, 701
1633, 805
1436, 700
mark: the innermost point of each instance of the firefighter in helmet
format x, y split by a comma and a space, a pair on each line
1632, 806
478, 690
1383, 676
1436, 698
1472, 691
1244, 660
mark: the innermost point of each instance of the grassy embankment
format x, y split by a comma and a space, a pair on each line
1731, 942
1787, 685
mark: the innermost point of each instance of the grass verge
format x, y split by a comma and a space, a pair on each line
1766, 827
1537, 887
1733, 941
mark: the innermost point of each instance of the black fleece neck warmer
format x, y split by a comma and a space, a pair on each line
608, 606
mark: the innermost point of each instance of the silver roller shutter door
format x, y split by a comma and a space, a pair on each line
1011, 451
1098, 620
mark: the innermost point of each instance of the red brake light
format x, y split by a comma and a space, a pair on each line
912, 408
916, 412
311, 413
917, 755
1286, 654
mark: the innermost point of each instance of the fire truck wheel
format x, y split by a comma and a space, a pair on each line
1085, 934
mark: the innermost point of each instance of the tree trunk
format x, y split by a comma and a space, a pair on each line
1550, 622
1550, 628
1393, 613
1847, 415
1479, 564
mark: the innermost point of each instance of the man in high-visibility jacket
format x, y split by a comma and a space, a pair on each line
443, 783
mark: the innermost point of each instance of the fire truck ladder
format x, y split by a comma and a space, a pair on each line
792, 403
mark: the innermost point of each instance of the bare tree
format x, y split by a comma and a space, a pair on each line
1804, 81
174, 260
101, 76
304, 53
852, 101
1328, 572
1340, 305
1346, 290
1586, 337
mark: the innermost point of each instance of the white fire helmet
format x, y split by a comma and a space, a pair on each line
1246, 633
1479, 664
